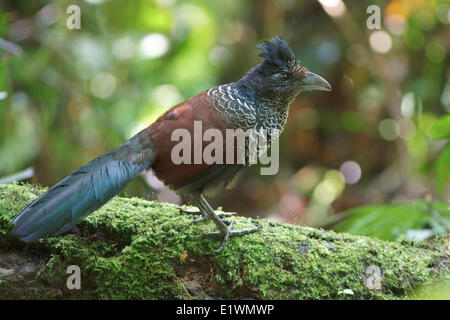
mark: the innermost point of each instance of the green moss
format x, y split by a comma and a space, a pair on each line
137, 249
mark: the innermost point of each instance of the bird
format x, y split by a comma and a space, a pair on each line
259, 100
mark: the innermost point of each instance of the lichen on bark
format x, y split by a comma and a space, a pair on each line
137, 249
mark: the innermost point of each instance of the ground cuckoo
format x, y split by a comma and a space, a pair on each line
259, 100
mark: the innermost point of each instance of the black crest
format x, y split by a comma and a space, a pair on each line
276, 52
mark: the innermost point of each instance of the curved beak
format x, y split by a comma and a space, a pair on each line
313, 81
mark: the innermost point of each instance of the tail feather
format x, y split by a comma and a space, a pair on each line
85, 190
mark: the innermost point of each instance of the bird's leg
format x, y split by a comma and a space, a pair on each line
204, 216
225, 226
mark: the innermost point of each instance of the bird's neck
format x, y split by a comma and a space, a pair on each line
244, 108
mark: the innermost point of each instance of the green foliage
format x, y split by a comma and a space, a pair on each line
443, 170
78, 94
417, 220
441, 128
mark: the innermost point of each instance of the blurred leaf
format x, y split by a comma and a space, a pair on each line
2, 79
426, 121
439, 290
414, 38
418, 147
441, 128
419, 235
390, 222
443, 169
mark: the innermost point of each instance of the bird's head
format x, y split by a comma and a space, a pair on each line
280, 75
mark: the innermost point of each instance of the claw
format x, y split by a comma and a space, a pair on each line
225, 226
231, 233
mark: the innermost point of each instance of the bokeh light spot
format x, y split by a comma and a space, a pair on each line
153, 46
291, 204
91, 55
95, 1
407, 105
351, 172
324, 193
414, 38
219, 55
48, 15
334, 8
123, 48
445, 97
307, 178
388, 129
435, 52
166, 3
103, 85
328, 52
380, 41
396, 24
330, 188
443, 13
166, 95
406, 128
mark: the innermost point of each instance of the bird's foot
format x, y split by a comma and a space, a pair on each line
229, 232
204, 217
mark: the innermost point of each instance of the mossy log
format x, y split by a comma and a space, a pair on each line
137, 249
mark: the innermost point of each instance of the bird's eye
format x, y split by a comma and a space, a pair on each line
284, 77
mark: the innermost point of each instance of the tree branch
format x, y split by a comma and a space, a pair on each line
133, 248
